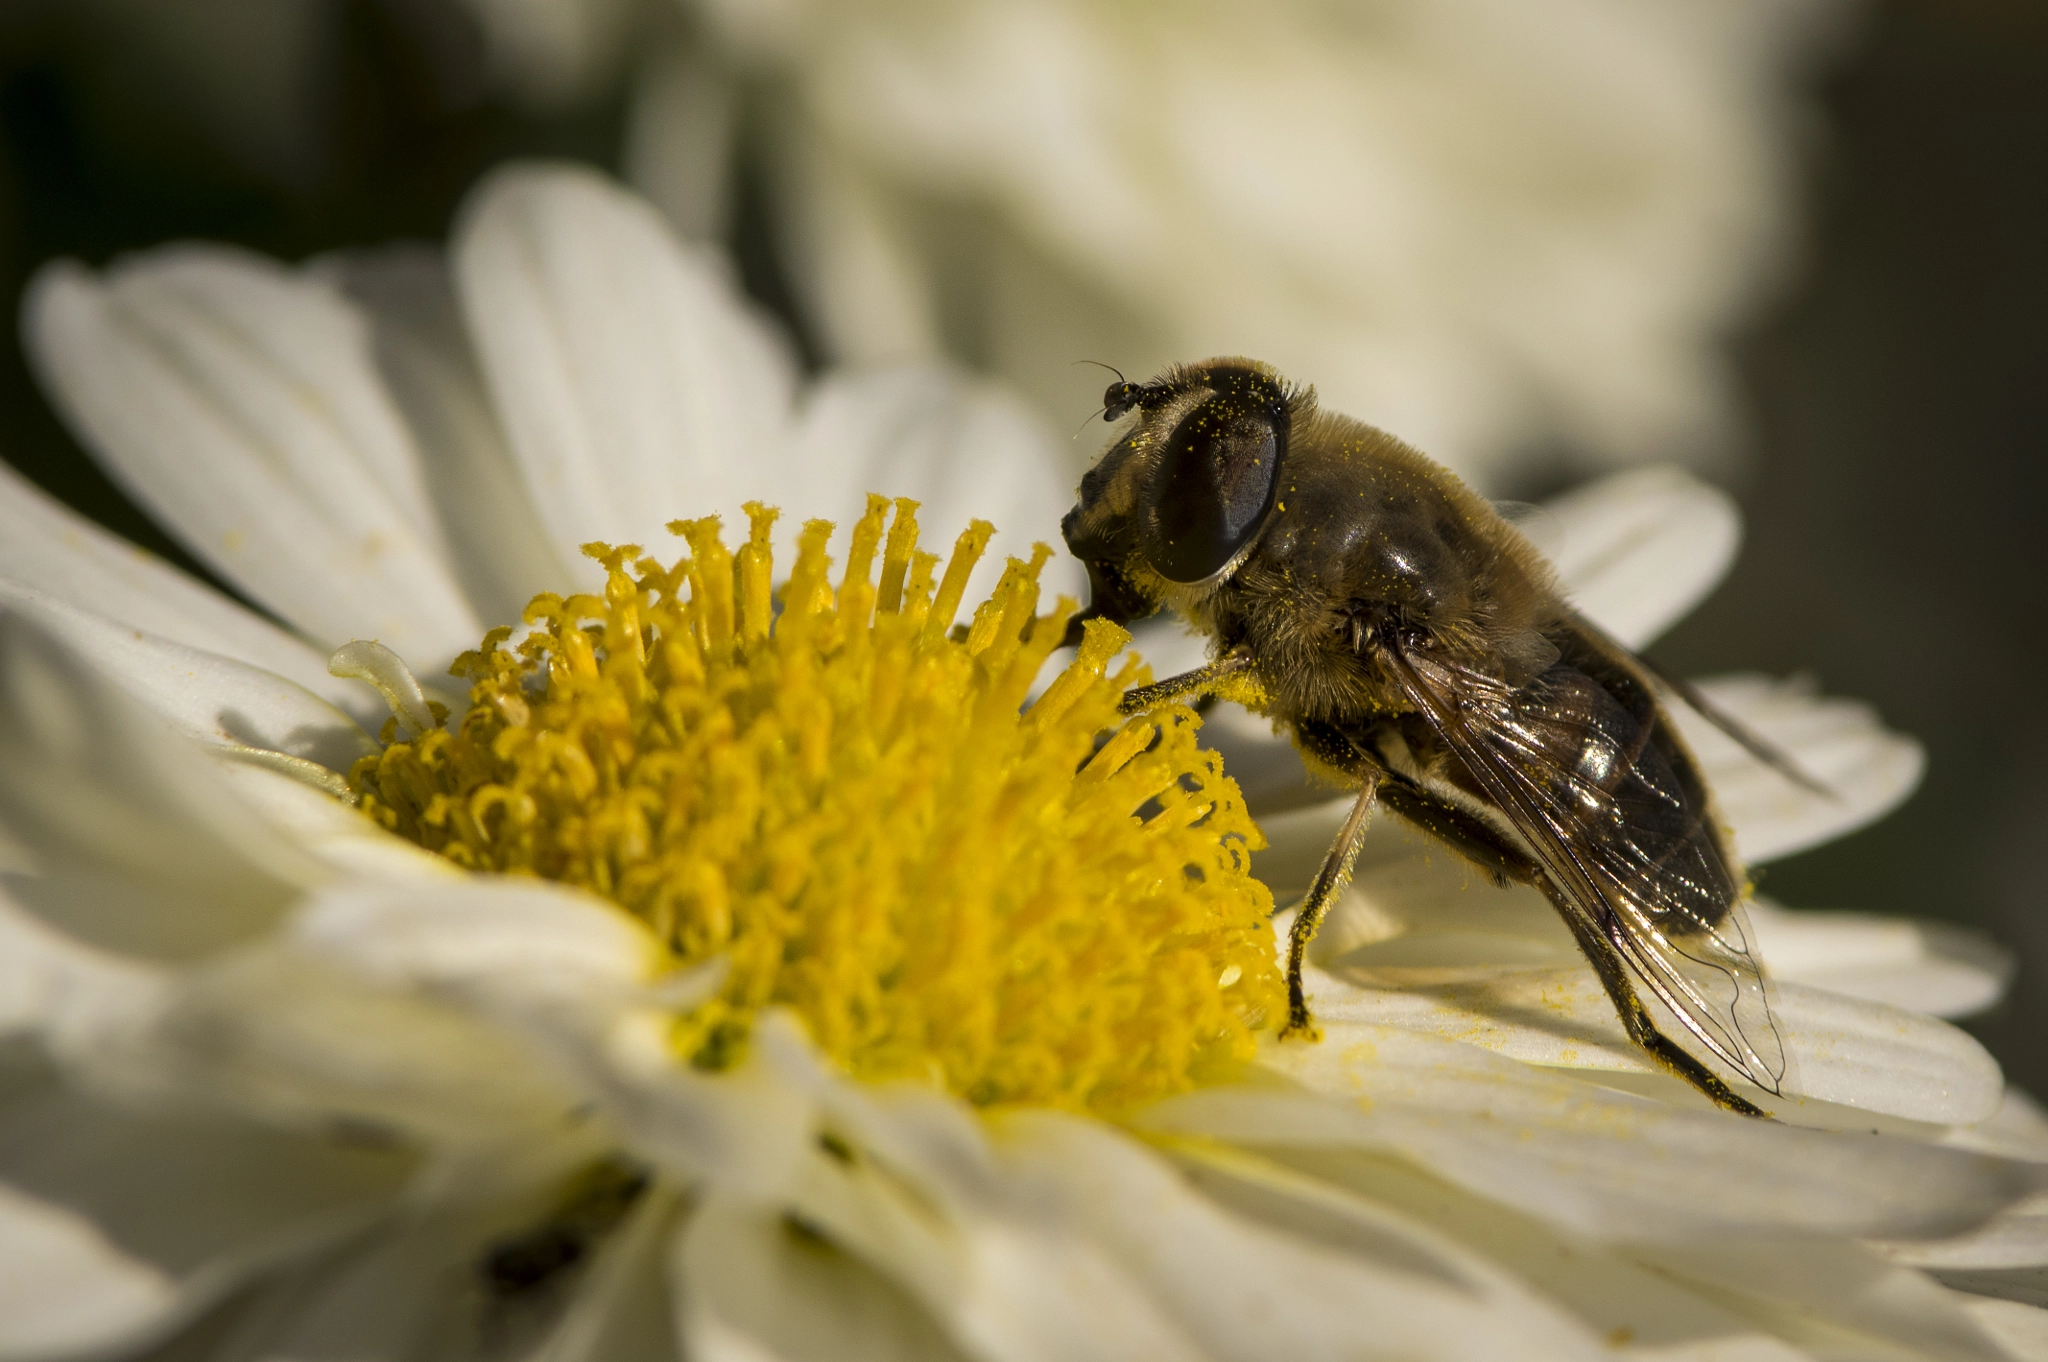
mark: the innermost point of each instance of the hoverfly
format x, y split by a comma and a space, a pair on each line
1417, 647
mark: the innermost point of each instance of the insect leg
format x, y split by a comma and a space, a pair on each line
1199, 681
1461, 830
1607, 963
1329, 882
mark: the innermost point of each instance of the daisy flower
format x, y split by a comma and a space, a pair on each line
745, 966
1491, 227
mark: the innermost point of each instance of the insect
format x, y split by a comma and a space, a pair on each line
1417, 647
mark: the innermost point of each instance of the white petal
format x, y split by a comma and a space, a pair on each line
552, 55
756, 1286
501, 549
1249, 1292
623, 1310
856, 258
509, 942
962, 447
744, 1130
240, 404
413, 1288
47, 546
1594, 1281
50, 982
296, 1043
333, 832
2017, 1130
421, 1287
1884, 1059
2028, 1285
139, 847
635, 384
1603, 1162
1928, 967
1841, 743
2015, 1237
64, 1286
1008, 1282
1637, 550
115, 1227
2022, 1330
1841, 1050
204, 696
1831, 1296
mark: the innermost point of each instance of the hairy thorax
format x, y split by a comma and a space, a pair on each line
1376, 542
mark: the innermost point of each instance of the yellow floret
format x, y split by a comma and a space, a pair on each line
847, 797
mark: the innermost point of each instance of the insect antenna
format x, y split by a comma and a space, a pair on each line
1102, 410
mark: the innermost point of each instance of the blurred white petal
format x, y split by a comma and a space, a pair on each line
1003, 1275
2022, 1330
240, 403
1218, 1273
44, 973
116, 1227
502, 554
1344, 1194
139, 847
1831, 1297
46, 546
334, 833
204, 696
1481, 229
1920, 966
501, 941
2015, 1237
634, 382
1607, 1163
962, 447
552, 54
624, 1311
747, 1129
1841, 743
414, 1287
1637, 550
1841, 1050
756, 1285
852, 250
679, 142
289, 1040
2017, 1130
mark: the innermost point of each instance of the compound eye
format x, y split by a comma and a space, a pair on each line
1213, 487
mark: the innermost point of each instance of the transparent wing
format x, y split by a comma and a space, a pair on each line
1585, 765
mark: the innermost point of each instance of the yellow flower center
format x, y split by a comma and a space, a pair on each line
847, 797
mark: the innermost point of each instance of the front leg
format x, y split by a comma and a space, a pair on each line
1329, 883
1225, 674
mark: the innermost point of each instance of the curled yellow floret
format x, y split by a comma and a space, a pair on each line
847, 797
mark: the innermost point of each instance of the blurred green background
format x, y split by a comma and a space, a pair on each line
1895, 391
